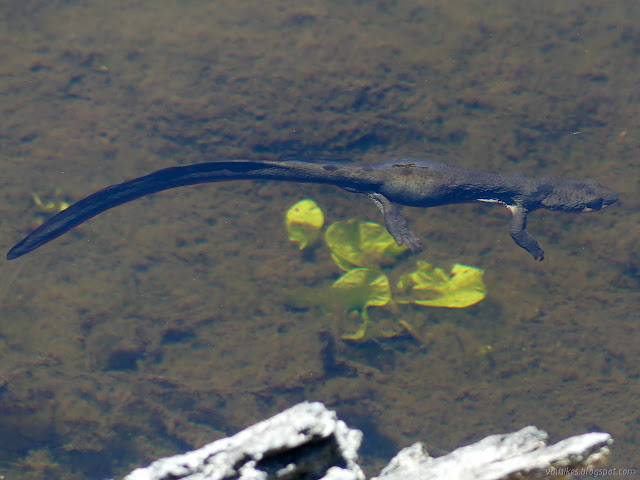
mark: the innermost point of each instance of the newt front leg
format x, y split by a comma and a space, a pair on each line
518, 231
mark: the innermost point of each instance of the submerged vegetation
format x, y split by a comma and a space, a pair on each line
304, 221
362, 249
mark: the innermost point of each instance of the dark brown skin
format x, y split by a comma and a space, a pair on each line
411, 183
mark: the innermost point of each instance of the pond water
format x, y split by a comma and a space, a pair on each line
169, 322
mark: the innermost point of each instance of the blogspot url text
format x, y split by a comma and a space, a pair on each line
593, 472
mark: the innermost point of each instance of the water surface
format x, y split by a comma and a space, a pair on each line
162, 325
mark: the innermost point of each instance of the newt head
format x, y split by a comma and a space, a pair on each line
578, 196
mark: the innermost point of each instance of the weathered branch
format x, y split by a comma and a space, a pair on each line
308, 442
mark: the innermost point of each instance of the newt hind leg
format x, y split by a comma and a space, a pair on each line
396, 225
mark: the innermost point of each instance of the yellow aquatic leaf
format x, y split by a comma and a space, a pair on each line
304, 221
50, 206
355, 243
431, 286
359, 289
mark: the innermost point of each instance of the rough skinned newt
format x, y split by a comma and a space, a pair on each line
415, 184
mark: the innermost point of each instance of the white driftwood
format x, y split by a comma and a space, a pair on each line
523, 454
308, 442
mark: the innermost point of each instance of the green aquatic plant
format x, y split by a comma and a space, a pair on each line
304, 221
355, 243
50, 206
359, 289
362, 249
431, 286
